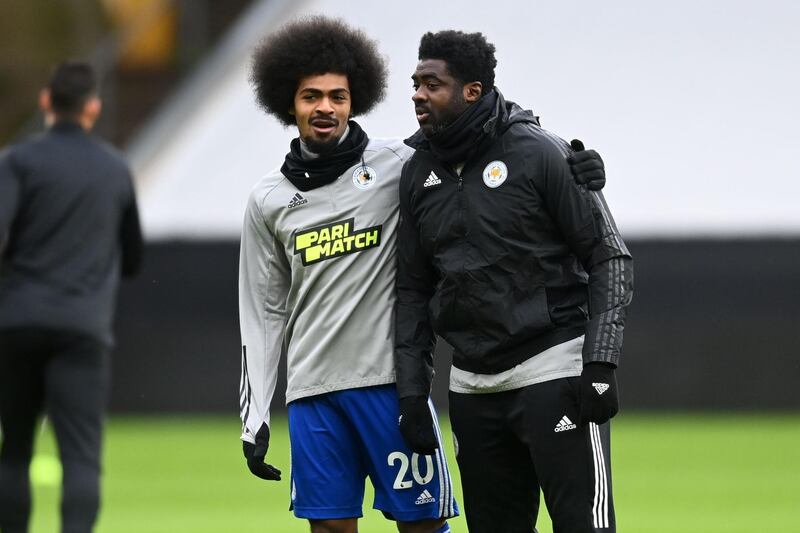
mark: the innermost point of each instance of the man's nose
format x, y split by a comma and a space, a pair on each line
325, 106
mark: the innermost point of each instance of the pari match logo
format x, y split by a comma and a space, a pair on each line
334, 240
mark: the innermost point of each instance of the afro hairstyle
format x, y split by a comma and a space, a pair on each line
312, 46
469, 56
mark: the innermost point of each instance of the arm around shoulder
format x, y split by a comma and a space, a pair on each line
585, 220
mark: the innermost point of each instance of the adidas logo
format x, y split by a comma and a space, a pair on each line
424, 498
601, 387
297, 200
432, 180
565, 424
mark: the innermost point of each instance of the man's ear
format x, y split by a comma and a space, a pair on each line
93, 108
472, 91
44, 101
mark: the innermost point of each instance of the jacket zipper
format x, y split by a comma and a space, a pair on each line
462, 222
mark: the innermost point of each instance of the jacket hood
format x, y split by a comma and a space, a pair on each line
506, 113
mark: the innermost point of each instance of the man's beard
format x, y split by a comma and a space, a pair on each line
448, 115
325, 147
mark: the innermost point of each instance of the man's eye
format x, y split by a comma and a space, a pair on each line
432, 86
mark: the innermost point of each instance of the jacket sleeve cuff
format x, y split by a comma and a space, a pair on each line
415, 379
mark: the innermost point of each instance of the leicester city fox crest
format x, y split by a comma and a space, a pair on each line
364, 176
495, 174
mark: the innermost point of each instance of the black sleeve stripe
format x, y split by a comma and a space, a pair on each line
245, 391
605, 328
606, 339
609, 228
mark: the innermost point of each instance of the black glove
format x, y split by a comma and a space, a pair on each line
416, 425
587, 166
599, 400
255, 454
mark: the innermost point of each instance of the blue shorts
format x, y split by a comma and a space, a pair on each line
341, 438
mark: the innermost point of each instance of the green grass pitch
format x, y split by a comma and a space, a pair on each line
689, 473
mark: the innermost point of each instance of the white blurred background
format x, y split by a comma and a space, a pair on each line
693, 105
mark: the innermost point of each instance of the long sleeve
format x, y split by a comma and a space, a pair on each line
264, 278
9, 198
416, 279
610, 293
591, 233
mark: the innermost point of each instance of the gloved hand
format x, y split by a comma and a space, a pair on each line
598, 401
587, 167
256, 453
416, 425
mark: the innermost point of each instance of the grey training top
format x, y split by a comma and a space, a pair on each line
316, 278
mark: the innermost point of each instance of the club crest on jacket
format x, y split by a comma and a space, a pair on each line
495, 174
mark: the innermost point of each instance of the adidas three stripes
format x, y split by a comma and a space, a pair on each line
516, 445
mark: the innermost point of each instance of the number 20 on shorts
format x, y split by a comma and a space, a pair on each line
400, 482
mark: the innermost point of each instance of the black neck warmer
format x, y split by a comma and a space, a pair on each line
454, 143
307, 174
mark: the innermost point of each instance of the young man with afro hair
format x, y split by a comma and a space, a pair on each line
317, 275
522, 270
316, 278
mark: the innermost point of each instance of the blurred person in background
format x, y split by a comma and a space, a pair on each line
522, 270
69, 228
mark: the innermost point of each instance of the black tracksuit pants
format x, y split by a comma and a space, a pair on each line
511, 444
65, 375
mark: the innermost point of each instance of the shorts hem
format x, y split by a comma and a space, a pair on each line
327, 513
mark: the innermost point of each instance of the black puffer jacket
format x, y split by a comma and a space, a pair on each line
496, 260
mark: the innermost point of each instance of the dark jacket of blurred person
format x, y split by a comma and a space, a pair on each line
69, 228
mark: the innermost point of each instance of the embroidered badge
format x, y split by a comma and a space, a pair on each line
364, 176
495, 174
